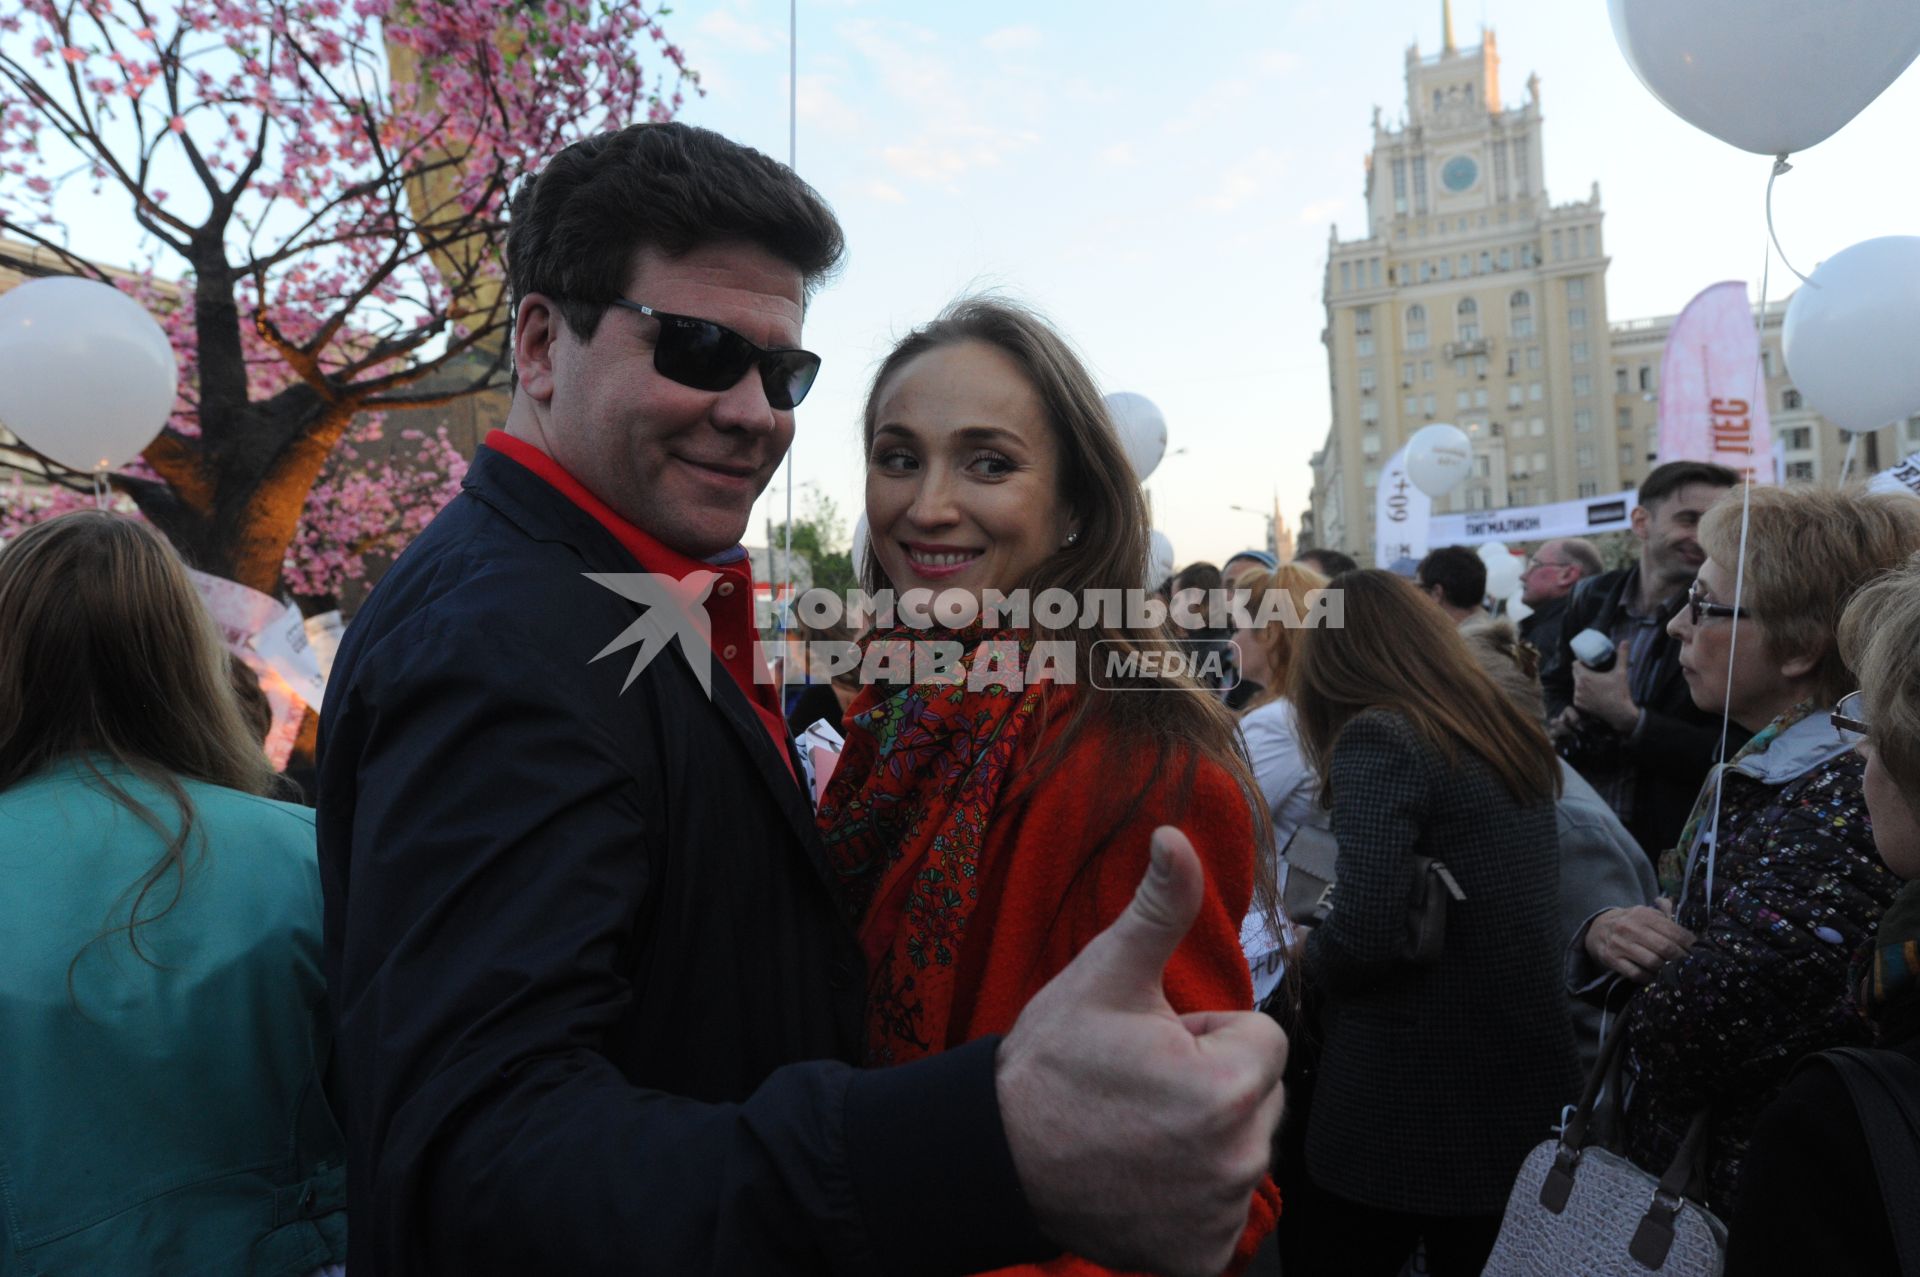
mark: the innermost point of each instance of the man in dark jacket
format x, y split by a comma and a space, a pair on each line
1633, 731
1546, 585
596, 996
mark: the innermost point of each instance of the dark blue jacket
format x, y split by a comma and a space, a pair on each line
594, 991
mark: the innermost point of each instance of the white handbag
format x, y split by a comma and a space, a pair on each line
1580, 1208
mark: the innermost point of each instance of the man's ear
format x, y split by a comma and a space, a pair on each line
1642, 522
536, 326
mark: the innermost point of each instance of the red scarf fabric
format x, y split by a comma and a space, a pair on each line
905, 820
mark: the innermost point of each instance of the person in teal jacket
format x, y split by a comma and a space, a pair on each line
163, 1031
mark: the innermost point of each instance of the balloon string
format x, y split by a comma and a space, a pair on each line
1780, 166
1740, 561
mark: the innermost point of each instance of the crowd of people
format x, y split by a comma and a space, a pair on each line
568, 973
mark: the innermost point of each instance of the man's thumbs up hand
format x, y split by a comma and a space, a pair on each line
1140, 1135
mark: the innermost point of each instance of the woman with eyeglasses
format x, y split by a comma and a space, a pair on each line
163, 1025
1811, 1199
988, 823
1775, 882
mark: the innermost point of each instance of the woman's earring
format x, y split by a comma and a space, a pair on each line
1073, 538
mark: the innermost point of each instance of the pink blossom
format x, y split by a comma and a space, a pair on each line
501, 86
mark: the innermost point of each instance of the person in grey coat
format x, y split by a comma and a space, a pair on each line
1599, 859
1435, 1080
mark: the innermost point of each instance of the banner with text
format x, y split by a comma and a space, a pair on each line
1587, 516
1904, 477
1400, 515
1713, 400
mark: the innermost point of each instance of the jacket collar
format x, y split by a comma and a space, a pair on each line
1802, 744
545, 514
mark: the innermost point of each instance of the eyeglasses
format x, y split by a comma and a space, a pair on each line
709, 356
1699, 605
1542, 563
1850, 714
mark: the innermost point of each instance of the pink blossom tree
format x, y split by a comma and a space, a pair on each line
328, 183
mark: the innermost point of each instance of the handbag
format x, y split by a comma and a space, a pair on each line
1578, 1207
1311, 854
1433, 885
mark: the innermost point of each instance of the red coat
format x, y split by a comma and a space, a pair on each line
1048, 889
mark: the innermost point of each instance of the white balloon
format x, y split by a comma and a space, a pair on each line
1770, 76
1852, 334
1438, 458
1142, 430
1503, 570
858, 550
1159, 559
87, 376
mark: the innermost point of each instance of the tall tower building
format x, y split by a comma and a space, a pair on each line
1472, 299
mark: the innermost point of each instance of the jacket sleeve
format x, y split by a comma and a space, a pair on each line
1073, 870
1768, 972
1556, 676
1664, 741
1279, 770
1382, 793
492, 911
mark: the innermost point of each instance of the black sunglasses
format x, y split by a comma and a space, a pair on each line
710, 356
1699, 606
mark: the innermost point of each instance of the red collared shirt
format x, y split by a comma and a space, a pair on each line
729, 605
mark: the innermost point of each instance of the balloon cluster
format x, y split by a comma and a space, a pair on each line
1776, 77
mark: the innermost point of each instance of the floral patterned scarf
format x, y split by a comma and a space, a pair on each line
905, 822
1675, 861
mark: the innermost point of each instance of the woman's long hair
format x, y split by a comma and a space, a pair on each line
1277, 639
107, 652
1098, 484
1396, 651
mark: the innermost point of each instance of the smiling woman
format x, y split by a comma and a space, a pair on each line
986, 826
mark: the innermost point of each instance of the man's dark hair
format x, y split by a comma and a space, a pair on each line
1675, 475
1327, 562
1459, 573
577, 223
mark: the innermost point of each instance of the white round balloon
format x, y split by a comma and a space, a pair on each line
1852, 334
1770, 76
1159, 559
1503, 570
1142, 430
1439, 457
87, 376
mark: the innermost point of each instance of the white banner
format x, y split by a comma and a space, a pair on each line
1904, 477
271, 638
1587, 516
1400, 515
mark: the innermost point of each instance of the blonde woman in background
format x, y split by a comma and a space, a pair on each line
1285, 778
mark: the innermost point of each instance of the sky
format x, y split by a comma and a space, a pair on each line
1160, 181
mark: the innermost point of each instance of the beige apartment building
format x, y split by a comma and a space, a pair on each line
1475, 299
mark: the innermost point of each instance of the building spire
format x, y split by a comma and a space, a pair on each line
1446, 24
